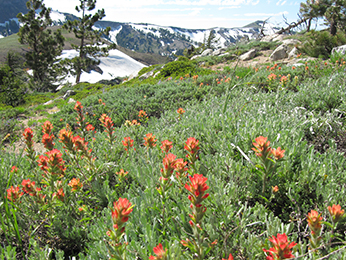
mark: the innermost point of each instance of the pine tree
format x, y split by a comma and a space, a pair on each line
90, 47
44, 45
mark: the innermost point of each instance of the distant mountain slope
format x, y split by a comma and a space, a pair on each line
10, 8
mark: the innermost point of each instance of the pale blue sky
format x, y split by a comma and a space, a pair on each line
195, 14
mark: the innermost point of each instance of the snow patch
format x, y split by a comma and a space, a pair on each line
116, 64
113, 34
57, 17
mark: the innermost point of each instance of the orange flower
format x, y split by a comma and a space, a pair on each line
281, 248
335, 212
277, 153
195, 77
261, 146
142, 113
314, 221
52, 163
75, 184
168, 165
180, 167
180, 111
121, 212
47, 127
28, 136
271, 77
293, 68
283, 80
275, 189
47, 141
160, 253
127, 143
59, 195
121, 173
150, 140
166, 146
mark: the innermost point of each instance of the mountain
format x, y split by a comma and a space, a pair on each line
166, 41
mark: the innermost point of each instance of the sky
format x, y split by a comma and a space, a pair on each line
191, 14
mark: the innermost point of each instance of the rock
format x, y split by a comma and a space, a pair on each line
248, 55
132, 76
157, 73
68, 94
293, 53
147, 75
206, 52
195, 57
291, 42
71, 100
59, 88
218, 52
48, 102
340, 49
279, 53
272, 38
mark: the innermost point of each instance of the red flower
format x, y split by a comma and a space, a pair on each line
47, 127
335, 212
28, 136
90, 127
81, 145
281, 248
128, 142
47, 141
160, 253
191, 145
29, 187
230, 257
180, 167
14, 168
122, 209
197, 186
121, 173
59, 195
13, 194
150, 140
66, 137
52, 163
168, 164
166, 146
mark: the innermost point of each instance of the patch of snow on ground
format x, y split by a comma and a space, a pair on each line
117, 64
162, 43
113, 34
147, 29
1, 36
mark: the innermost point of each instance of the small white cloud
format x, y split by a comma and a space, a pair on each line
266, 14
229, 7
284, 2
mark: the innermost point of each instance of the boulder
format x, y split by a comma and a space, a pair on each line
218, 52
68, 94
291, 42
71, 100
206, 52
279, 53
195, 57
272, 38
293, 53
48, 102
340, 49
248, 55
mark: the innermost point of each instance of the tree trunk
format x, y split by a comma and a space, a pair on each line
309, 25
333, 28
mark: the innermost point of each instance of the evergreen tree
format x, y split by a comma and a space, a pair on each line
333, 11
90, 47
44, 45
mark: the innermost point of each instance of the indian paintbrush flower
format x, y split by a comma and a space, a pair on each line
315, 224
160, 253
150, 141
127, 143
191, 147
47, 141
335, 212
282, 248
14, 194
166, 146
75, 184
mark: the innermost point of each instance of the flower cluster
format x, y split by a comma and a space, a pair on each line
166, 146
109, 127
75, 184
52, 164
150, 141
192, 147
282, 248
160, 253
14, 194
264, 151
315, 224
127, 143
336, 213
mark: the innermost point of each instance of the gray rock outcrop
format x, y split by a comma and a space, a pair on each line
340, 49
248, 55
279, 53
206, 52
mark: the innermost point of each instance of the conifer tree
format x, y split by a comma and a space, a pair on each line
90, 47
44, 45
